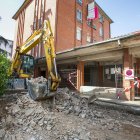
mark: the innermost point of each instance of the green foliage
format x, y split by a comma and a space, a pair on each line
4, 67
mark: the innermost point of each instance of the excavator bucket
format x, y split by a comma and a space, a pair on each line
38, 89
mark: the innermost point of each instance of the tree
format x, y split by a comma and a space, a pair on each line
4, 68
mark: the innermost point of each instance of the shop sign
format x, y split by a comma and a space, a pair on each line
92, 11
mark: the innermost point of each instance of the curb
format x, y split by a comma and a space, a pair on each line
133, 109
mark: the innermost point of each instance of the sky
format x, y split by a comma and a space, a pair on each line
7, 25
124, 13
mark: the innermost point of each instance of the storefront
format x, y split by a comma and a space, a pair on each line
104, 64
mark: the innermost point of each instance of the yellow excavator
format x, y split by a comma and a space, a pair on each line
23, 64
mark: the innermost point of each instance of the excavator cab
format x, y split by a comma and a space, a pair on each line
27, 66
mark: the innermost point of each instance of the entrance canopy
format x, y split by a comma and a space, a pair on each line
108, 50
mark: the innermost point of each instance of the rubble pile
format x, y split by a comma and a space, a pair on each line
71, 103
38, 80
70, 118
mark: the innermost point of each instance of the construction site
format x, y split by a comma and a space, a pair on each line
72, 118
69, 79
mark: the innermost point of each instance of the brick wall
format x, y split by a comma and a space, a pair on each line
67, 24
65, 36
62, 14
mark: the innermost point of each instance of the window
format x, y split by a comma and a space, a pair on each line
34, 25
88, 38
39, 23
79, 15
94, 26
89, 23
79, 1
111, 77
101, 32
101, 18
94, 40
78, 33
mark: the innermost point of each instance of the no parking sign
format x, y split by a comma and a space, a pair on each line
129, 74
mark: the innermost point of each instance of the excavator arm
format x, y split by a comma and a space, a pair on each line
21, 57
21, 51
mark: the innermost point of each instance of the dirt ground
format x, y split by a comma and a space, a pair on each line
72, 118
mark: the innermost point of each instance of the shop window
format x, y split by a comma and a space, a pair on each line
87, 76
113, 75
78, 34
79, 15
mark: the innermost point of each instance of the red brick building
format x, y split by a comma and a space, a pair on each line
69, 23
85, 54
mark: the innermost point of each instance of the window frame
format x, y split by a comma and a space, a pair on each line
88, 36
79, 15
91, 25
101, 18
79, 32
79, 2
101, 32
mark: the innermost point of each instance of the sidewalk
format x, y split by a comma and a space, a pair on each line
121, 102
126, 106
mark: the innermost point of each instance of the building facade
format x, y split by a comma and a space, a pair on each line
6, 46
69, 23
110, 67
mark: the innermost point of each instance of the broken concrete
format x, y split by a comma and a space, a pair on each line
72, 119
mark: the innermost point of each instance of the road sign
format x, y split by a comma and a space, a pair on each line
129, 74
